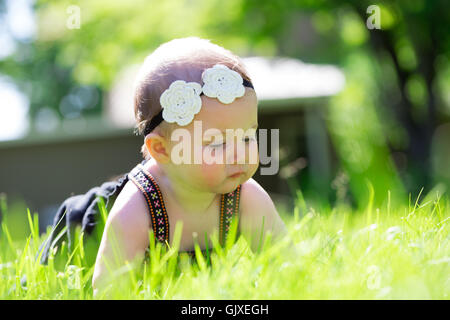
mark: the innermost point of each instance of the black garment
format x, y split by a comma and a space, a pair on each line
80, 210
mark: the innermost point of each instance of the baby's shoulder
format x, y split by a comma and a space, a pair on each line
258, 214
130, 207
254, 199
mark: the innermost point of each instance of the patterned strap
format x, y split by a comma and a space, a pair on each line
155, 203
229, 205
229, 209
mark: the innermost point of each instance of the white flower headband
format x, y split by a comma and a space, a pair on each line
181, 101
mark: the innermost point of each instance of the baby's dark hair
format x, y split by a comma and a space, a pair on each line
179, 59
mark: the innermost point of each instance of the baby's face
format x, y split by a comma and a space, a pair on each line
217, 177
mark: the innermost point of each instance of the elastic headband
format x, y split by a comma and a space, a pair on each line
219, 82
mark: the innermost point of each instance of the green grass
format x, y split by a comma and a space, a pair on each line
377, 253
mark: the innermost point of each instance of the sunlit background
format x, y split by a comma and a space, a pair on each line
360, 111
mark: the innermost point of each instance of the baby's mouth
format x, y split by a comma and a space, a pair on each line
237, 174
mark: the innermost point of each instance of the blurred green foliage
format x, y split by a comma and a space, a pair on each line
382, 124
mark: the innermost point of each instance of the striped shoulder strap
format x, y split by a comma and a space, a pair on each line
153, 196
229, 209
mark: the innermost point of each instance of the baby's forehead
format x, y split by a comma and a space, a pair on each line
242, 113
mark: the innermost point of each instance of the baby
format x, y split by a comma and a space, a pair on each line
184, 86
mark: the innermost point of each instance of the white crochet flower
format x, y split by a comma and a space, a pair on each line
222, 83
181, 102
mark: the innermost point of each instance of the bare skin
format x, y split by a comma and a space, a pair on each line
191, 194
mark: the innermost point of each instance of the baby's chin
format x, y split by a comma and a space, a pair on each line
229, 185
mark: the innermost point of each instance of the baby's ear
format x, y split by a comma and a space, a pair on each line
157, 147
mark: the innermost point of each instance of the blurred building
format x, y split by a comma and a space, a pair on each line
46, 166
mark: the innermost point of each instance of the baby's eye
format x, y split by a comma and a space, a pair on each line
217, 145
248, 139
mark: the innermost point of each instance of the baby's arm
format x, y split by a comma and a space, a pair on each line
258, 215
125, 237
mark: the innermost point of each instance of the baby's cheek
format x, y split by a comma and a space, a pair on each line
212, 174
